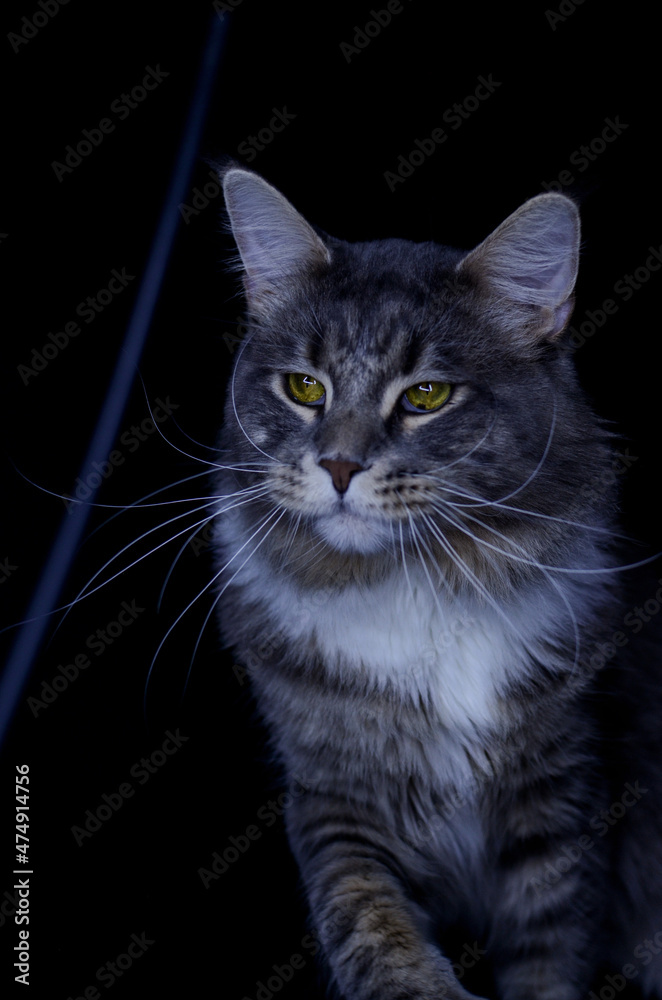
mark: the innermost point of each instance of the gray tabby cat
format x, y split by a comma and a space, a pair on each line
417, 568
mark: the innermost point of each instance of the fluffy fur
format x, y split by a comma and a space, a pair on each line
434, 591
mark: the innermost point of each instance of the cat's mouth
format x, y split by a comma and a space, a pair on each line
349, 531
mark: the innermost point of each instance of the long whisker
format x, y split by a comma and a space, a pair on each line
84, 592
188, 540
543, 458
320, 544
571, 570
195, 458
289, 540
473, 579
468, 454
415, 536
545, 571
481, 502
121, 508
539, 464
209, 584
243, 430
404, 558
135, 541
224, 588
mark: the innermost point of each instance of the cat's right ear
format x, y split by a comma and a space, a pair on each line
275, 243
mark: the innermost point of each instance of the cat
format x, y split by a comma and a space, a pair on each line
419, 568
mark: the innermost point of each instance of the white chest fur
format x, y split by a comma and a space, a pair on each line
457, 654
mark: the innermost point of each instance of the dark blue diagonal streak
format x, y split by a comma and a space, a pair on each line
56, 569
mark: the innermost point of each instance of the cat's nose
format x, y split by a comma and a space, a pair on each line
341, 472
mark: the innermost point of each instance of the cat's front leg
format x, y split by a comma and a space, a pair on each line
375, 938
547, 917
375, 941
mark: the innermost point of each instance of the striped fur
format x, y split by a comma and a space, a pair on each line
424, 644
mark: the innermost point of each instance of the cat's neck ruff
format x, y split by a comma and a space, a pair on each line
456, 653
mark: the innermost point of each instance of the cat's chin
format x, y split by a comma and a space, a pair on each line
348, 532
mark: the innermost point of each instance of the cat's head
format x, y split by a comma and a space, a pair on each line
395, 397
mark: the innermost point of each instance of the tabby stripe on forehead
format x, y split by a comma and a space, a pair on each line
411, 356
314, 349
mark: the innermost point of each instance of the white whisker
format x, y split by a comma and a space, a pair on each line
473, 579
571, 570
210, 583
481, 502
234, 402
84, 592
404, 562
545, 570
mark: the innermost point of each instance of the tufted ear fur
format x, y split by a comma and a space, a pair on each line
275, 242
531, 260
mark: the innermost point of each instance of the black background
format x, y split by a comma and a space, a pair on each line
355, 113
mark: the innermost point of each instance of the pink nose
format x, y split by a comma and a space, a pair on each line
341, 472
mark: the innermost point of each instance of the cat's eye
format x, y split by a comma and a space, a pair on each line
305, 389
426, 396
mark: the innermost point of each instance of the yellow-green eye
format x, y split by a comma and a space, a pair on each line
305, 389
426, 396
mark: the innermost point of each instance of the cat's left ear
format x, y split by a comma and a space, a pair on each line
276, 244
531, 260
